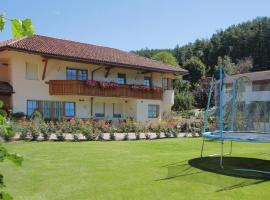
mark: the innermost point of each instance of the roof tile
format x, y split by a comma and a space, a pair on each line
77, 51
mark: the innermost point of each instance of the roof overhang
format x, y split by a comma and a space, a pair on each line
96, 62
5, 88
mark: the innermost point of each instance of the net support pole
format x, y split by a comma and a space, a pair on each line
221, 113
205, 124
264, 116
233, 110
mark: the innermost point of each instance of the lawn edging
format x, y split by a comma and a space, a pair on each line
102, 136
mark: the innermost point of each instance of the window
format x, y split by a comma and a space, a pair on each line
69, 109
165, 84
117, 110
31, 72
147, 81
228, 87
46, 109
76, 74
51, 109
31, 106
82, 74
99, 109
261, 85
121, 79
153, 111
71, 74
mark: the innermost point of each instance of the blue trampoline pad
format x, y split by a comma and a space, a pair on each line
244, 136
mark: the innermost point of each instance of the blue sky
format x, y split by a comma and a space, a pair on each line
132, 24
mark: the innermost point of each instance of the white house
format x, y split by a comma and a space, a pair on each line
250, 95
72, 79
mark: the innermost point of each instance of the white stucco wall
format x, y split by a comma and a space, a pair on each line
56, 70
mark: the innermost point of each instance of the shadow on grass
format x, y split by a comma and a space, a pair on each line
176, 170
233, 167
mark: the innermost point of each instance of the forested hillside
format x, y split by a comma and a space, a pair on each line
240, 48
248, 39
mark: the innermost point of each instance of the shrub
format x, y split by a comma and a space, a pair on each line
8, 135
100, 136
168, 134
60, 135
101, 126
126, 137
87, 131
22, 127
76, 137
34, 131
158, 135
17, 115
45, 130
112, 136
147, 136
137, 136
175, 134
183, 101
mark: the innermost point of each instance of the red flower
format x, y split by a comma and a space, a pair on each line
92, 83
107, 84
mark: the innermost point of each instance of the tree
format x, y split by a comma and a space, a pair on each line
166, 57
243, 65
183, 101
183, 98
196, 69
228, 66
19, 29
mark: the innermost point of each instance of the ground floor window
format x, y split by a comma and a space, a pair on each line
51, 109
31, 106
117, 110
99, 109
69, 109
153, 111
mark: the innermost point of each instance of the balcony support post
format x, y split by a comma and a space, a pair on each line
108, 69
45, 68
92, 105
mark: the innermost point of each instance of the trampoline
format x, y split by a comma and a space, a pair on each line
241, 112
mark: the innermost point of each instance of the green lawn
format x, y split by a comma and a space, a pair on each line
126, 170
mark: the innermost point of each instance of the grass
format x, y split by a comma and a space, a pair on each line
126, 170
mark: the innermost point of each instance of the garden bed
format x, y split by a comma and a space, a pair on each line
102, 136
92, 130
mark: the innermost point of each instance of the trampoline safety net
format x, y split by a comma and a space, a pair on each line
245, 103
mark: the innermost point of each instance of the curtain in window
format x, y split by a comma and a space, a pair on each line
31, 106
31, 71
99, 109
46, 109
57, 110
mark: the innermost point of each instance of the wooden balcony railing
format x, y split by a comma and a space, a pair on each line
75, 87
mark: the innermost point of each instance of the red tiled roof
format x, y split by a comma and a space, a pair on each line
81, 52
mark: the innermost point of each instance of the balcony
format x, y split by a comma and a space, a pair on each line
75, 87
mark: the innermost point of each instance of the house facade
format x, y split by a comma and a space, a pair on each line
63, 78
